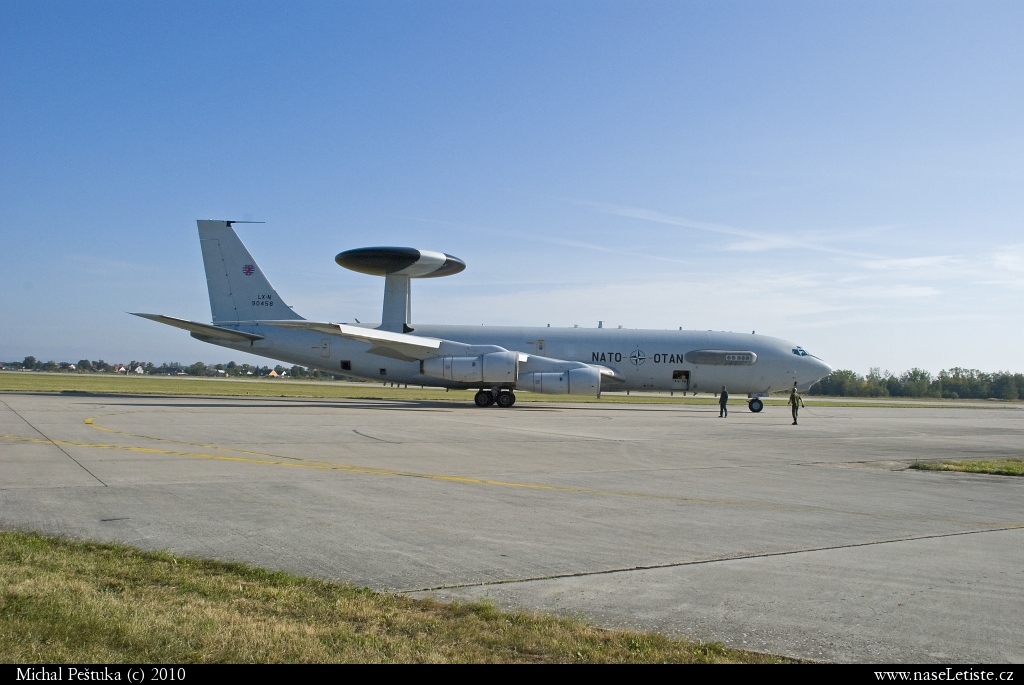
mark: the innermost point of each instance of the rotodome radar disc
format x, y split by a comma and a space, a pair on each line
404, 261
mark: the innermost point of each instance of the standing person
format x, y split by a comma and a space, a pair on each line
723, 399
796, 402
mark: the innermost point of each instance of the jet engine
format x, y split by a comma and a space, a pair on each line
493, 367
585, 381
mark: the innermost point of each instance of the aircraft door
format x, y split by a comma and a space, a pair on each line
681, 379
325, 347
540, 349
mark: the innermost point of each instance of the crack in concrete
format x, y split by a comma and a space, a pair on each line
371, 437
701, 562
49, 440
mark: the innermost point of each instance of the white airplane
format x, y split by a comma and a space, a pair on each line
249, 315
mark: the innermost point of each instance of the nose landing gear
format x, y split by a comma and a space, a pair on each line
503, 398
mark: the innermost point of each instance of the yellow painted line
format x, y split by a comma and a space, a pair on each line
314, 463
298, 462
91, 422
145, 450
334, 466
350, 468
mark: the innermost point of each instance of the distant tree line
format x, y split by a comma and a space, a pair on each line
955, 383
166, 369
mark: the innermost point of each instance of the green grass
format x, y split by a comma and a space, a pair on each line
270, 387
263, 387
276, 387
999, 467
78, 602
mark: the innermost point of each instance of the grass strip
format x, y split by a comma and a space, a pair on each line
232, 387
265, 387
221, 387
998, 467
64, 601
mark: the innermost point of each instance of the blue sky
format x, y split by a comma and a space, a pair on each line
846, 175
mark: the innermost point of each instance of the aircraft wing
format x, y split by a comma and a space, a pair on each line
203, 329
414, 347
385, 343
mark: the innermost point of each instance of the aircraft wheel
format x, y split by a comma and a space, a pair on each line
484, 399
755, 405
506, 399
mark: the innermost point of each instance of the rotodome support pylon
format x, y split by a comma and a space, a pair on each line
399, 265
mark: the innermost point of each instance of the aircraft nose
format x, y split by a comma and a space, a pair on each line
815, 370
810, 371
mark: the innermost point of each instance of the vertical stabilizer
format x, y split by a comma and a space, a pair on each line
238, 289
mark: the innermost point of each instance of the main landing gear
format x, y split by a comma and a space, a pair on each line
503, 398
755, 405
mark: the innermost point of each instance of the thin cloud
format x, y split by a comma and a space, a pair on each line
890, 292
1011, 283
754, 241
561, 242
910, 263
1009, 258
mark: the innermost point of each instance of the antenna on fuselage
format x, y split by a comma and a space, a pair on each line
398, 265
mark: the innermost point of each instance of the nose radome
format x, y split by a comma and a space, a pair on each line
817, 369
810, 371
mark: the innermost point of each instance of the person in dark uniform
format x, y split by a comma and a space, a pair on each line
795, 401
723, 399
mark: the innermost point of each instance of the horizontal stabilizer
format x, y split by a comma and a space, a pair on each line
203, 329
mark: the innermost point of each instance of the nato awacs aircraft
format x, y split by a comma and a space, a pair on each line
249, 315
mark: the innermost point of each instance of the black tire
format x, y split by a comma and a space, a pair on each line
755, 405
484, 399
506, 399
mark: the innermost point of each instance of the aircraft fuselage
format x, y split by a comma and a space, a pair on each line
653, 360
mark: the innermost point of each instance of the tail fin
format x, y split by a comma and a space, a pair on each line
238, 289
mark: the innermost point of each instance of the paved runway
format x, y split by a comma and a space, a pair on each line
810, 540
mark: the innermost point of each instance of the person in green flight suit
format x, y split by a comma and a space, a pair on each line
795, 402
723, 400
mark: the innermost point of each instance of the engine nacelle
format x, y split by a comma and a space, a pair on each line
585, 381
493, 367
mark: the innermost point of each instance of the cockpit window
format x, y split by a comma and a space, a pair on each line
799, 351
